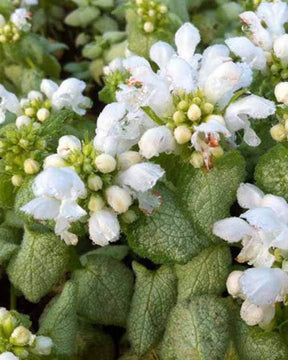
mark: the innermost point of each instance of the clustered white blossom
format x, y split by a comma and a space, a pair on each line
190, 101
10, 30
263, 232
17, 342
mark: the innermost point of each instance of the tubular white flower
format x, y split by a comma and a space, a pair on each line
22, 120
8, 356
161, 53
104, 227
19, 19
252, 314
119, 199
281, 92
186, 40
68, 144
249, 196
48, 87
8, 102
264, 286
275, 15
43, 345
238, 113
281, 48
181, 75
54, 160
134, 61
248, 52
233, 283
156, 141
140, 177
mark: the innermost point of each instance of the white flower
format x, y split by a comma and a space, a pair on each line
104, 227
281, 92
68, 95
115, 133
252, 314
23, 120
8, 102
19, 19
8, 356
68, 144
161, 53
281, 48
119, 199
275, 15
249, 53
115, 65
155, 141
43, 345
233, 283
186, 40
238, 113
264, 286
27, 3
57, 191
140, 177
249, 196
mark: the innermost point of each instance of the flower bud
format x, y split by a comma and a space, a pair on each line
3, 39
251, 313
281, 92
3, 314
118, 198
96, 203
95, 182
35, 95
151, 12
129, 216
8, 324
29, 112
23, 120
233, 284
31, 166
182, 134
218, 118
127, 159
179, 117
43, 345
183, 105
43, 114
281, 48
68, 144
22, 337
194, 112
217, 151
196, 160
139, 2
54, 160
105, 163
17, 180
278, 132
21, 352
148, 27
208, 108
163, 9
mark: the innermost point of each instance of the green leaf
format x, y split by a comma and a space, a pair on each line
105, 289
179, 8
154, 296
252, 343
39, 264
167, 236
118, 252
209, 196
82, 16
197, 330
204, 274
8, 244
271, 171
59, 321
7, 193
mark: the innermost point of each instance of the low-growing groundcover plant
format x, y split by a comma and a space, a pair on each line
146, 216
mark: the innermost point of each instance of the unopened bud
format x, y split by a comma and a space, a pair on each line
8, 324
30, 112
233, 283
105, 163
208, 108
23, 120
179, 117
148, 27
217, 151
96, 203
43, 345
22, 337
194, 112
129, 217
17, 180
278, 132
183, 105
68, 144
251, 313
127, 159
196, 160
95, 183
281, 92
118, 198
3, 39
43, 114
31, 166
182, 134
54, 160
163, 9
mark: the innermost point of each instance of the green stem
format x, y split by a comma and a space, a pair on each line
13, 298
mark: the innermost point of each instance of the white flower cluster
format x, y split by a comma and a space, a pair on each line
39, 104
190, 101
263, 231
10, 31
108, 186
17, 342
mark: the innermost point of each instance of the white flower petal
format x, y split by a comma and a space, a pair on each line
252, 314
248, 52
250, 137
141, 177
134, 61
68, 144
249, 196
186, 40
71, 211
278, 205
281, 241
19, 19
181, 74
263, 218
104, 227
8, 356
232, 229
262, 286
281, 48
161, 53
275, 15
42, 208
155, 141
48, 87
